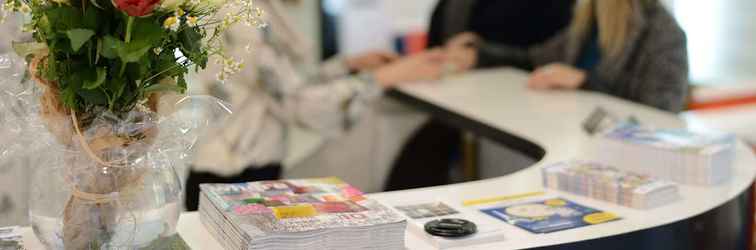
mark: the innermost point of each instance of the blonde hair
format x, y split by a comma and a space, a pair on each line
614, 20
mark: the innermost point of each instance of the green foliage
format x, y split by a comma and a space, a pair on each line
99, 78
78, 37
168, 243
93, 64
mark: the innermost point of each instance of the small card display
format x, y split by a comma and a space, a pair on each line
427, 210
676, 155
470, 226
547, 216
607, 183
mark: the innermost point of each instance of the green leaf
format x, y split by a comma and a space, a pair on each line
167, 66
148, 32
68, 97
94, 96
110, 47
133, 52
43, 25
145, 64
191, 46
102, 73
79, 37
115, 86
52, 67
181, 81
162, 87
92, 19
148, 35
64, 17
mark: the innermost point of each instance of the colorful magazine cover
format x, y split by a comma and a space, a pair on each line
551, 215
290, 206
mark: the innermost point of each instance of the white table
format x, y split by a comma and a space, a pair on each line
552, 121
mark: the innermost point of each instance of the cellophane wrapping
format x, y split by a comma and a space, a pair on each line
101, 180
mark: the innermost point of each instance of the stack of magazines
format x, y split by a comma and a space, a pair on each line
677, 155
10, 238
610, 184
298, 214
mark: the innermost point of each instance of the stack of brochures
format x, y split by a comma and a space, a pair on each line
298, 214
419, 213
610, 184
676, 155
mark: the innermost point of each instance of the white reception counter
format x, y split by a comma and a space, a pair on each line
547, 125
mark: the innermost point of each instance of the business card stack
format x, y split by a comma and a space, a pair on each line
419, 213
298, 214
610, 184
676, 155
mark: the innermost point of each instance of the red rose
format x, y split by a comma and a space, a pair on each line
137, 8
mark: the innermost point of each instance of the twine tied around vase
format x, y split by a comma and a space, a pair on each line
95, 198
86, 145
117, 198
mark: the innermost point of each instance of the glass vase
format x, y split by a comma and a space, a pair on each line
105, 181
139, 215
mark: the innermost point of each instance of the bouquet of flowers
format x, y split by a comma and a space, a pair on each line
99, 69
103, 54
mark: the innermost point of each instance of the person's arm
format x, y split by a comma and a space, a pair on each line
492, 54
332, 107
333, 68
340, 66
663, 78
594, 82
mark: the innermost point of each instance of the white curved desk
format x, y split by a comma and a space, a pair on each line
499, 100
552, 120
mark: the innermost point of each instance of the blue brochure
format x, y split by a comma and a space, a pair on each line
550, 215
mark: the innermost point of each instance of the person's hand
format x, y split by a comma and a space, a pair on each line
427, 65
557, 76
462, 51
370, 60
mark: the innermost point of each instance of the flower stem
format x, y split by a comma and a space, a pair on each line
129, 27
123, 69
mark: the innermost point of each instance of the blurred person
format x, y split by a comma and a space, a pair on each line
631, 49
277, 90
426, 158
518, 24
